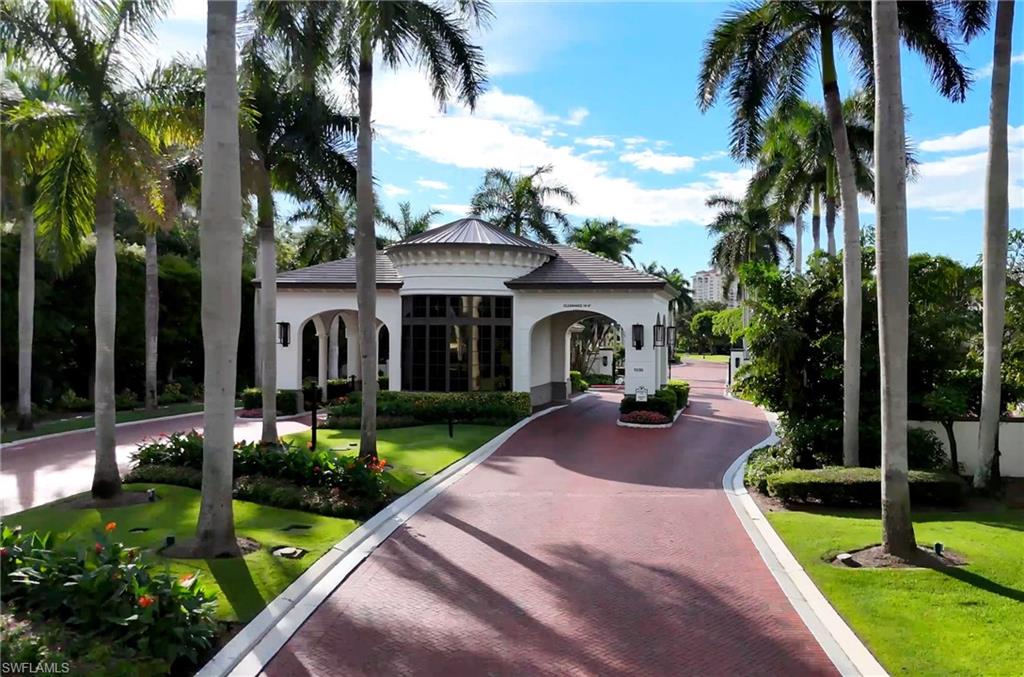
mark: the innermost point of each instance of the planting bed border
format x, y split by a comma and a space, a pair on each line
652, 426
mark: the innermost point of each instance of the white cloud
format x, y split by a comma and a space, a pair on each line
392, 190
596, 142
452, 209
970, 139
407, 117
634, 140
495, 103
986, 70
957, 183
188, 10
433, 185
659, 162
577, 116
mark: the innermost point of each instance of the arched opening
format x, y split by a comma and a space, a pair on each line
328, 348
583, 341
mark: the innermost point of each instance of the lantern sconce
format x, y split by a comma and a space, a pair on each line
671, 337
638, 336
284, 333
659, 333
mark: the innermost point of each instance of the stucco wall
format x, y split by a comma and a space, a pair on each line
1011, 444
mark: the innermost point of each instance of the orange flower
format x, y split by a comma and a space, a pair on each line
145, 601
110, 527
186, 579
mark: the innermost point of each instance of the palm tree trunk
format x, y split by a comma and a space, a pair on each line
220, 244
106, 481
366, 256
830, 224
816, 220
798, 254
152, 313
994, 247
893, 279
26, 316
268, 310
852, 301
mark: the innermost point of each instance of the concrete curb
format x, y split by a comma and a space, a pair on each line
126, 424
653, 426
251, 650
846, 651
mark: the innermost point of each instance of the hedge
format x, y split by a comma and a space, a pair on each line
682, 390
579, 384
287, 400
837, 486
500, 408
599, 379
664, 401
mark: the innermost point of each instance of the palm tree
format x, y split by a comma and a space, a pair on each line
761, 54
994, 247
519, 202
745, 232
406, 225
609, 239
220, 242
400, 33
297, 141
893, 279
99, 145
683, 301
330, 237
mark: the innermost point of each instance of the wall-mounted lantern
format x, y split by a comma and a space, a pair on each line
659, 333
638, 336
284, 333
672, 337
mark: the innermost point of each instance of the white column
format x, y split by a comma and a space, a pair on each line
521, 367
258, 368
322, 336
640, 364
352, 361
332, 348
395, 357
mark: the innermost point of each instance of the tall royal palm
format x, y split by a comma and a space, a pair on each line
520, 203
762, 54
399, 33
609, 239
297, 142
101, 144
893, 279
994, 246
220, 242
407, 224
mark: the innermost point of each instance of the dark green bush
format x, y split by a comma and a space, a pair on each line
252, 398
925, 450
383, 383
69, 401
498, 408
330, 502
181, 476
338, 387
662, 401
836, 486
579, 385
765, 462
173, 394
289, 402
108, 592
383, 422
682, 390
599, 379
125, 400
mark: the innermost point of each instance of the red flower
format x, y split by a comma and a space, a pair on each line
99, 548
3, 552
145, 601
316, 468
110, 527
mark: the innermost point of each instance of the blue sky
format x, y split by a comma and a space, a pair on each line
605, 93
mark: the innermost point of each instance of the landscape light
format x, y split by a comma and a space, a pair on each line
283, 333
638, 336
659, 333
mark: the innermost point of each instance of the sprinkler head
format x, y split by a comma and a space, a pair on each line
939, 548
151, 495
169, 541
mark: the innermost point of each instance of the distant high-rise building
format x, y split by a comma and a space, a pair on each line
709, 285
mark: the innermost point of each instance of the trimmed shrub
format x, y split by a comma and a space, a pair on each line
172, 394
498, 408
252, 398
765, 462
125, 400
69, 401
682, 391
289, 402
925, 450
837, 486
338, 387
383, 422
579, 385
383, 383
599, 379
645, 418
109, 593
662, 402
165, 474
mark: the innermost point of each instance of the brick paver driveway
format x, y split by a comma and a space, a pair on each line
33, 472
578, 548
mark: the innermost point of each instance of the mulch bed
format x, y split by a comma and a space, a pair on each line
873, 557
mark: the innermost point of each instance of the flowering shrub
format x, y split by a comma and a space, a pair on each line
107, 592
172, 394
252, 413
645, 418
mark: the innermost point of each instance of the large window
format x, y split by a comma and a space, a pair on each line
456, 343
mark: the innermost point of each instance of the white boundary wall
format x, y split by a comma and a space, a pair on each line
1011, 444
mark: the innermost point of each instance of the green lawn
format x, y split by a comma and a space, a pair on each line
86, 421
424, 449
703, 358
243, 586
964, 621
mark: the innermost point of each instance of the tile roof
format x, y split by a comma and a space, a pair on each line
472, 230
341, 273
577, 269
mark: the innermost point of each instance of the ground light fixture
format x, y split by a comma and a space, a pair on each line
638, 336
659, 333
284, 330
